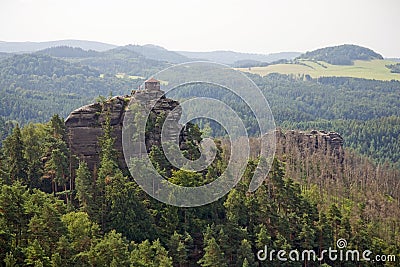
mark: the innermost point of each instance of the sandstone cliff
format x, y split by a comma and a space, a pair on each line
84, 125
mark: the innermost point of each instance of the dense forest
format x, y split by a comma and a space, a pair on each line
341, 55
33, 87
55, 211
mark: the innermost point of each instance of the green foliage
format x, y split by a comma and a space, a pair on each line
213, 256
127, 214
16, 163
342, 54
148, 254
35, 255
33, 87
85, 188
111, 250
177, 249
394, 68
68, 52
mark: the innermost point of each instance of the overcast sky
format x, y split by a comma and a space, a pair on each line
258, 26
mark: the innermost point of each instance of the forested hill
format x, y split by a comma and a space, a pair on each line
157, 53
342, 54
42, 65
33, 87
68, 52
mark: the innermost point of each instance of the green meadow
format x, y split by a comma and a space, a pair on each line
373, 69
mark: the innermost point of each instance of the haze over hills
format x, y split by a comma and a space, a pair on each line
149, 51
230, 57
21, 47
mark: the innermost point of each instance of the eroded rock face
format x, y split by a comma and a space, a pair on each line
84, 125
327, 143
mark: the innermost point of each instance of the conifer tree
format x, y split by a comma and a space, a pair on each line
213, 256
16, 163
85, 188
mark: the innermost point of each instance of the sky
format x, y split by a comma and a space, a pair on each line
253, 26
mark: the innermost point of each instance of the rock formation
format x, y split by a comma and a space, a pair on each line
84, 125
308, 143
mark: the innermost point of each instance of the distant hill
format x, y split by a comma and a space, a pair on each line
341, 55
124, 60
34, 86
230, 57
42, 65
248, 63
68, 52
120, 60
158, 53
19, 47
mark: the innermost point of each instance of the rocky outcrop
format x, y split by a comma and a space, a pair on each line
312, 142
84, 125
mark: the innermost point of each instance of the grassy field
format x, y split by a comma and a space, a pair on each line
374, 69
123, 75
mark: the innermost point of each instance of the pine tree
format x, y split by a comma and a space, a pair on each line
16, 163
35, 255
85, 188
146, 254
245, 253
128, 214
111, 249
213, 256
108, 168
177, 249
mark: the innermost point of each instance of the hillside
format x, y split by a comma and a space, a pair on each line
341, 55
33, 87
230, 57
336, 61
159, 53
373, 69
122, 60
19, 47
68, 52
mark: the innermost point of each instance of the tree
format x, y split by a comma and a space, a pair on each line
12, 210
111, 249
108, 169
58, 127
56, 167
146, 254
34, 137
245, 253
85, 188
16, 163
81, 232
45, 226
235, 207
213, 256
126, 211
177, 249
35, 255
